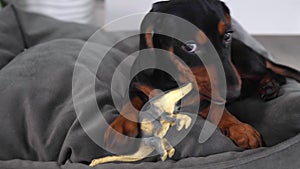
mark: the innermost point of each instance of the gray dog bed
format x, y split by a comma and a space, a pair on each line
38, 123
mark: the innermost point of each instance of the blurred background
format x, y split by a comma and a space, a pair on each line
275, 17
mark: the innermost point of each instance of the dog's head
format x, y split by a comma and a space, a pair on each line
212, 18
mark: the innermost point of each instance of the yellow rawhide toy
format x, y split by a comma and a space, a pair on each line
156, 117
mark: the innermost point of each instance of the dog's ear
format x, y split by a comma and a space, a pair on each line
148, 25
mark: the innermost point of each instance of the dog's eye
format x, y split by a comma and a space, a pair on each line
228, 37
190, 47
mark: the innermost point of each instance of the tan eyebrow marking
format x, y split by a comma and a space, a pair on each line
222, 24
221, 28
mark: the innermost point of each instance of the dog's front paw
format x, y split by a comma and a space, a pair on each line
268, 88
243, 135
116, 135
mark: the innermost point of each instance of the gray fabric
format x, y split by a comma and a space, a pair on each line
38, 124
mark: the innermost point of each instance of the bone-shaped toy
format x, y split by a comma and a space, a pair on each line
156, 117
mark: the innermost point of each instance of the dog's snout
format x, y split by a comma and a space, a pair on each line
233, 82
233, 92
233, 87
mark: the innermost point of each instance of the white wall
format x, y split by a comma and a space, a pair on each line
120, 8
267, 16
256, 16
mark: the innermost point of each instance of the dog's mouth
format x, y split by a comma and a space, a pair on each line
205, 95
201, 102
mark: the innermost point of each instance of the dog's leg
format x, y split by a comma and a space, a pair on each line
265, 74
242, 134
124, 125
283, 70
268, 87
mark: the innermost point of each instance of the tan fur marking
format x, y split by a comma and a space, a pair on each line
148, 37
221, 28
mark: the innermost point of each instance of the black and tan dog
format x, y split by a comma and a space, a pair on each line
245, 70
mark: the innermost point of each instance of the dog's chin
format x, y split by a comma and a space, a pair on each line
232, 95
